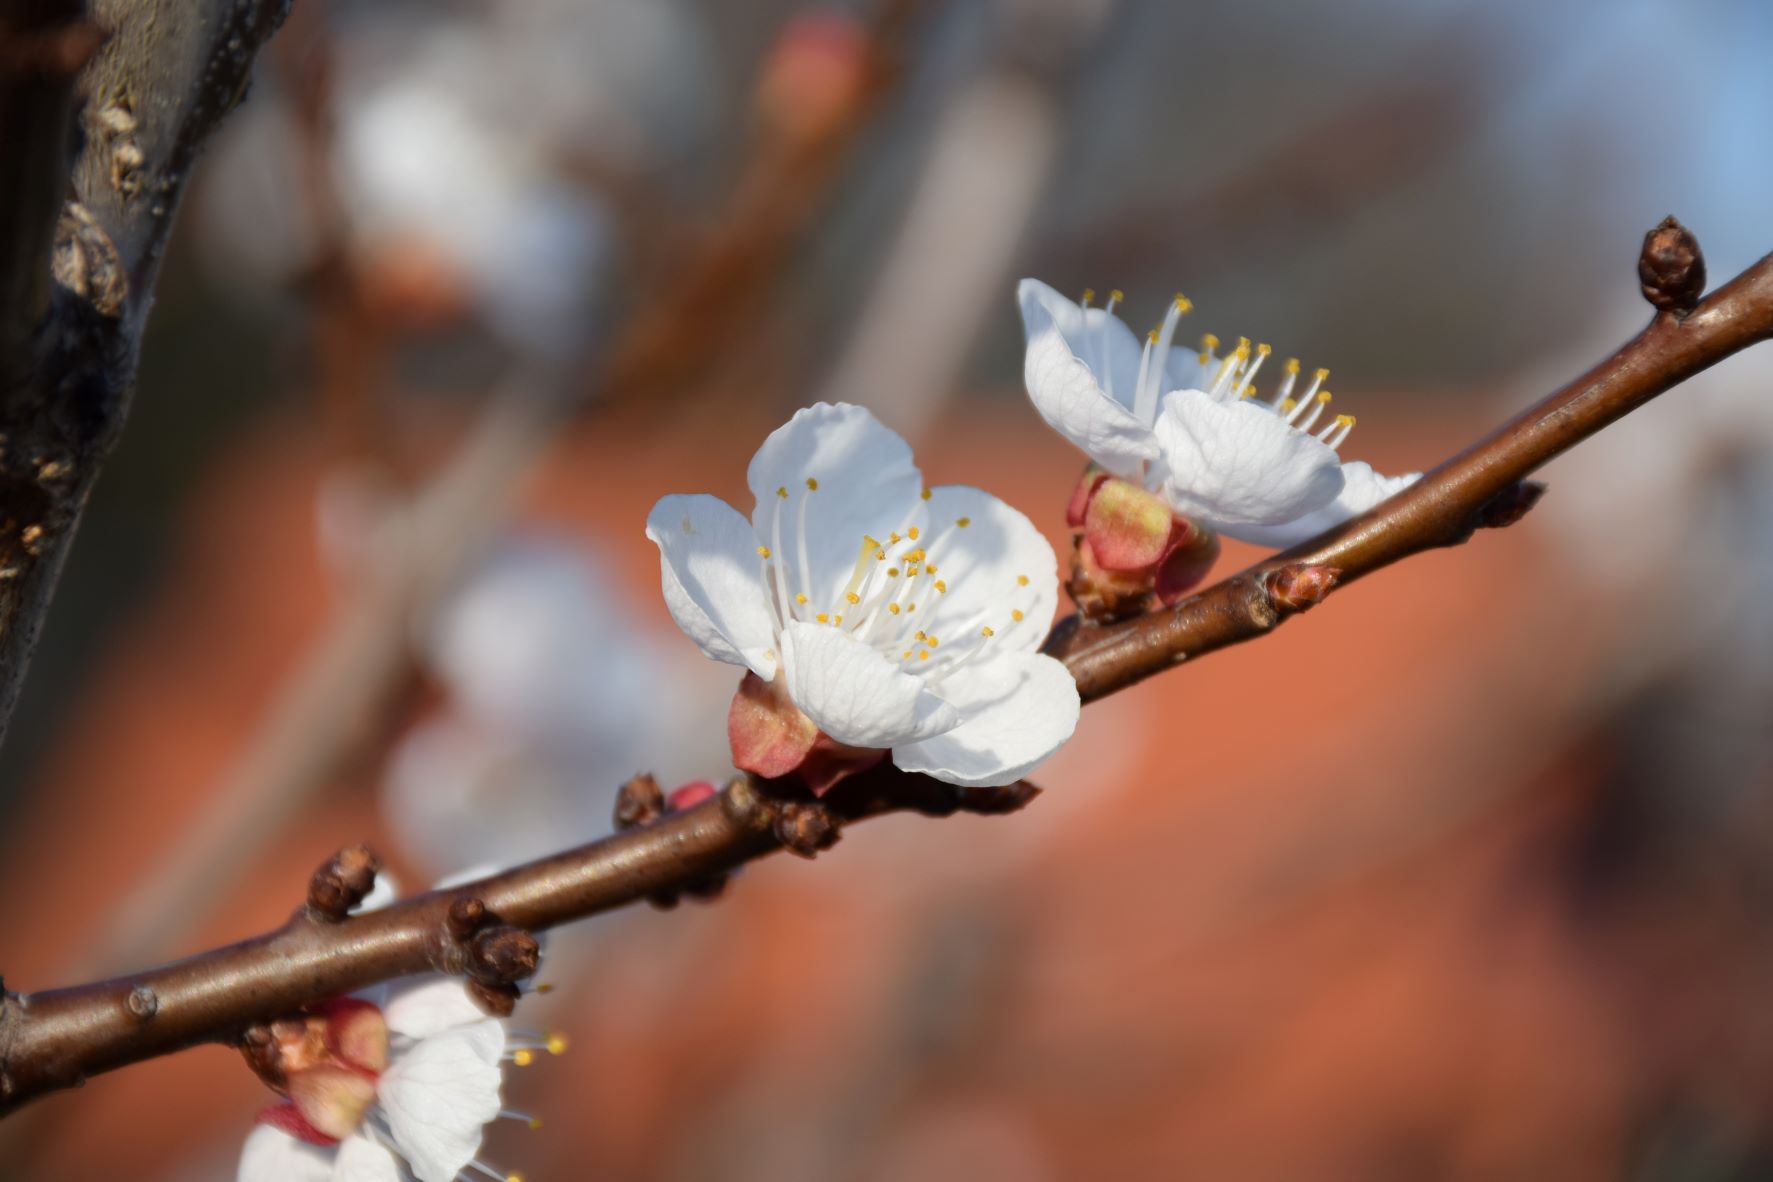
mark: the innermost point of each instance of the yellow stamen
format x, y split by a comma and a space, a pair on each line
1323, 396
1089, 293
929, 568
823, 618
892, 572
870, 549
1016, 614
1184, 305
911, 607
535, 1124
1320, 375
963, 522
1345, 420
763, 551
1292, 366
852, 597
894, 608
782, 492
1021, 580
1264, 350
801, 599
894, 539
557, 1044
942, 586
923, 655
812, 484
912, 534
1287, 404
934, 642
1117, 296
921, 636
1151, 337
523, 1058
926, 494
986, 631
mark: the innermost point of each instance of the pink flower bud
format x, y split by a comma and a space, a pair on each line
815, 75
689, 796
332, 1099
1132, 553
356, 1032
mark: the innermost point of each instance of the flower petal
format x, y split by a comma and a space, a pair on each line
438, 1095
1071, 354
362, 1160
856, 695
430, 1005
272, 1155
1362, 489
1016, 709
1232, 465
867, 485
995, 565
712, 579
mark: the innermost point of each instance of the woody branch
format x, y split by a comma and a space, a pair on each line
55, 1039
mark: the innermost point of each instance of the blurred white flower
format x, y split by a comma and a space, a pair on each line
1190, 425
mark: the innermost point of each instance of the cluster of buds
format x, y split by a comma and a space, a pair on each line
1131, 552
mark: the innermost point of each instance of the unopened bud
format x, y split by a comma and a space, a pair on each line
640, 802
1671, 268
1132, 553
503, 955
689, 795
342, 883
806, 829
1301, 585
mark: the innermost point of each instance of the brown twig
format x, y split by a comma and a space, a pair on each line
54, 1040
155, 77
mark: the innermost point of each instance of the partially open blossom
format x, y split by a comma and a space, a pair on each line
873, 615
377, 1087
1191, 426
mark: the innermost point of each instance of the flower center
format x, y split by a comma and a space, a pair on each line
1235, 377
894, 596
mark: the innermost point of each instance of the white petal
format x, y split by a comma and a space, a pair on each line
1362, 489
1070, 353
868, 486
984, 564
1016, 709
430, 1005
383, 891
856, 695
1236, 464
438, 1095
712, 578
272, 1155
362, 1160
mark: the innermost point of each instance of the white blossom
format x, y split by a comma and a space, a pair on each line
895, 617
1190, 425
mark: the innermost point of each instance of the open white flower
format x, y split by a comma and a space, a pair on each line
410, 1083
1189, 424
893, 617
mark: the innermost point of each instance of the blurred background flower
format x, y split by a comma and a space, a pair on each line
1464, 876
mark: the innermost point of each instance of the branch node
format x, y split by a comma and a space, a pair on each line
342, 883
1671, 268
86, 262
498, 1000
1510, 505
143, 1003
503, 955
639, 802
804, 829
1299, 586
745, 806
467, 915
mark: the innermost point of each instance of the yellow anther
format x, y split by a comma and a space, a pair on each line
923, 654
801, 599
1089, 293
934, 642
524, 1058
892, 572
1320, 375
1345, 420
911, 607
513, 1177
837, 620
929, 568
1243, 345
782, 492
894, 539
926, 494
1292, 366
986, 631
1323, 395
823, 617
963, 522
763, 551
852, 597
906, 656
1016, 614
1021, 580
1209, 342
557, 1044
912, 534
1183, 304
1247, 392
1264, 350
535, 1124
812, 484
941, 587
545, 987
894, 608
1288, 404
1151, 336
1117, 296
921, 636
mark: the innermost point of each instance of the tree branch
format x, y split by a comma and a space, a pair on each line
168, 72
54, 1040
